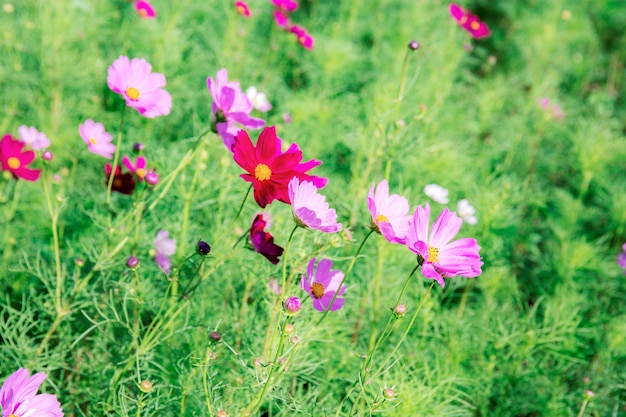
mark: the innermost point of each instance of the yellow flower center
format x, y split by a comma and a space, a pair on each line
262, 172
381, 218
241, 9
13, 415
143, 12
317, 290
141, 173
132, 93
433, 254
13, 163
475, 25
93, 141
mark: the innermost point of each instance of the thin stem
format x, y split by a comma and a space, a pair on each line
205, 383
186, 208
581, 413
54, 216
116, 158
284, 285
242, 204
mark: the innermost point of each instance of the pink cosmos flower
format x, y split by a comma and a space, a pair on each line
231, 108
310, 209
165, 248
389, 213
97, 139
263, 242
33, 138
439, 257
18, 396
303, 36
469, 22
145, 9
322, 283
287, 5
14, 160
269, 169
138, 168
621, 258
557, 112
142, 89
281, 19
242, 8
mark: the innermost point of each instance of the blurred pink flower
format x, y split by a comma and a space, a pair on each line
33, 138
141, 88
242, 8
303, 36
310, 209
557, 112
145, 9
287, 5
322, 283
231, 108
18, 396
165, 247
621, 258
97, 139
259, 100
439, 257
138, 168
281, 19
389, 213
15, 160
469, 22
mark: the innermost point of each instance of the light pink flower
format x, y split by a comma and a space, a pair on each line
33, 138
322, 283
389, 213
231, 108
165, 248
310, 209
242, 8
138, 168
97, 139
145, 9
18, 396
287, 5
259, 100
439, 257
141, 88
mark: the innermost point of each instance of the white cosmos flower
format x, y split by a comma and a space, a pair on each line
259, 100
436, 193
466, 211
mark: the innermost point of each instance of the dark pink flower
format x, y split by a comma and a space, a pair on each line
469, 22
145, 9
15, 160
281, 19
138, 168
303, 36
322, 283
242, 8
287, 5
18, 396
263, 242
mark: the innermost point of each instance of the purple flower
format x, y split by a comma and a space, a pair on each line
621, 258
231, 108
97, 139
389, 213
18, 396
310, 209
33, 138
165, 248
263, 242
292, 305
322, 283
441, 258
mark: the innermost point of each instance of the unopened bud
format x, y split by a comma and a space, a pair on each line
289, 329
222, 413
414, 45
145, 386
47, 155
203, 248
400, 310
79, 262
215, 336
388, 393
138, 147
292, 305
152, 177
132, 262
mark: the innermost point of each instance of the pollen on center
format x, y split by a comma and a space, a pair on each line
13, 162
142, 12
475, 25
132, 93
141, 173
262, 172
317, 290
381, 218
433, 254
92, 141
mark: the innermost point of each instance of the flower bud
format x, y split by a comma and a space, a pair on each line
215, 336
79, 262
400, 310
47, 155
289, 329
145, 386
222, 413
589, 394
132, 262
203, 248
414, 45
138, 147
152, 177
389, 394
292, 305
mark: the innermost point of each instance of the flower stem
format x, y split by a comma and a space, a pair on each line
116, 158
54, 217
284, 284
581, 413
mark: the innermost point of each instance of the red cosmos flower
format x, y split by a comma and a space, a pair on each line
469, 22
122, 183
263, 242
14, 160
269, 169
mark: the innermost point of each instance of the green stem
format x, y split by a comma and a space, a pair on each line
116, 158
581, 413
186, 209
205, 382
54, 217
284, 283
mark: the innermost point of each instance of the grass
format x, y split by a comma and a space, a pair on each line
542, 324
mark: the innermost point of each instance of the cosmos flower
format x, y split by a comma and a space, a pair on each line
304, 38
310, 209
436, 193
97, 139
390, 215
322, 283
621, 258
466, 211
231, 108
165, 247
122, 183
281, 19
269, 169
286, 5
138, 168
259, 100
141, 88
440, 258
262, 241
15, 160
33, 138
469, 22
18, 396
242, 8
554, 109
145, 9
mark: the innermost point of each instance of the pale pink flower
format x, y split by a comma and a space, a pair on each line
259, 100
35, 139
145, 9
97, 139
436, 193
466, 211
310, 208
165, 247
19, 398
322, 283
389, 213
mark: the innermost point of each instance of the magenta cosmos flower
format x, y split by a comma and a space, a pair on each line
310, 209
231, 108
322, 283
97, 139
165, 247
281, 19
141, 88
33, 138
145, 9
14, 160
138, 168
287, 5
269, 169
621, 258
304, 38
242, 8
262, 241
18, 397
469, 22
441, 258
389, 213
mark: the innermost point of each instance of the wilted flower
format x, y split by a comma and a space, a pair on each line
259, 100
322, 283
555, 109
436, 193
469, 22
389, 214
33, 138
97, 139
466, 211
165, 248
122, 183
439, 257
15, 160
310, 209
18, 396
263, 242
145, 9
242, 8
141, 88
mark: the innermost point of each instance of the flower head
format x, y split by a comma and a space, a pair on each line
287, 5
389, 213
621, 258
145, 9
263, 242
231, 108
281, 19
122, 183
322, 283
259, 100
15, 160
142, 89
165, 247
33, 138
304, 38
97, 139
469, 22
18, 396
466, 211
269, 169
441, 258
138, 168
292, 305
436, 193
310, 209
242, 8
